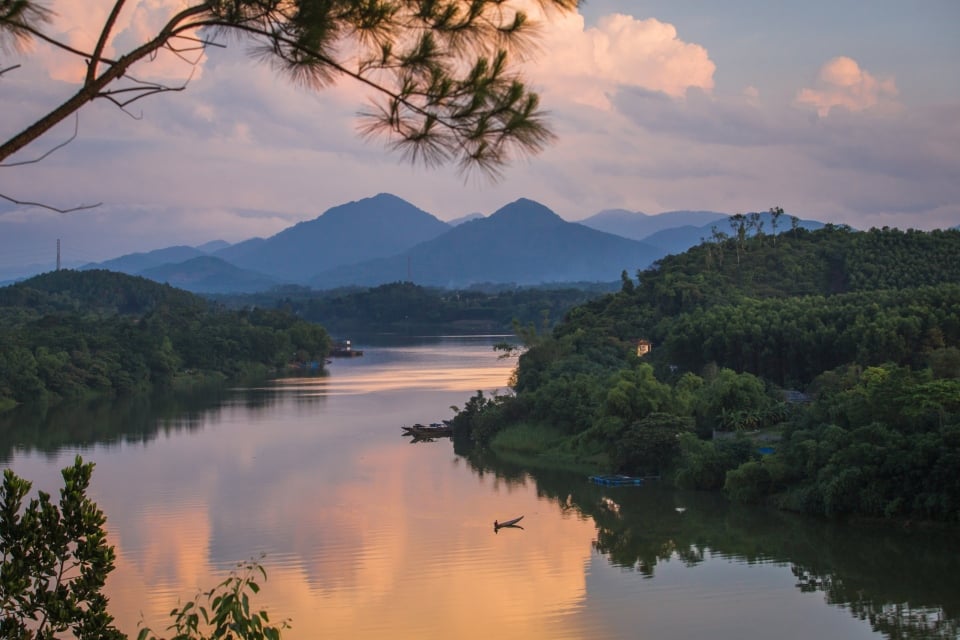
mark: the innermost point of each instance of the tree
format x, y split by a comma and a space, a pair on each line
626, 284
441, 68
775, 214
55, 561
738, 224
650, 444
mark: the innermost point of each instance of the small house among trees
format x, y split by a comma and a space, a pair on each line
644, 347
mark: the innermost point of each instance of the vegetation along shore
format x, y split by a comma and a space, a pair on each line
815, 370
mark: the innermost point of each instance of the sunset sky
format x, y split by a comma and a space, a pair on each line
840, 111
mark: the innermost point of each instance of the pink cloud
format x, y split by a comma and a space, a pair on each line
587, 64
843, 83
78, 24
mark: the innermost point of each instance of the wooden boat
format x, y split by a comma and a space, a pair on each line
435, 430
508, 523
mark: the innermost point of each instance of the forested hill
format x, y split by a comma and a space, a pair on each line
817, 370
96, 291
828, 261
70, 333
787, 308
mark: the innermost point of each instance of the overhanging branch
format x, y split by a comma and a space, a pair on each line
28, 203
76, 128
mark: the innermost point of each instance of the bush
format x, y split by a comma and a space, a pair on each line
750, 482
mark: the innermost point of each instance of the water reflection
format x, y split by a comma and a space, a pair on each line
904, 583
366, 537
136, 419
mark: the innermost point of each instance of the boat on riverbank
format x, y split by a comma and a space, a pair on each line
434, 430
344, 349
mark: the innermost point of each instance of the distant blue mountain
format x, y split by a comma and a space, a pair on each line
213, 245
208, 274
523, 243
134, 263
673, 240
376, 227
467, 218
638, 226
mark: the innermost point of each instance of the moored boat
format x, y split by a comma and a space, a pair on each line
507, 523
435, 430
344, 349
617, 480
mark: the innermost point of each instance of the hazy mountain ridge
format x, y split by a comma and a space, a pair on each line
467, 218
637, 225
209, 274
386, 239
522, 243
375, 227
134, 263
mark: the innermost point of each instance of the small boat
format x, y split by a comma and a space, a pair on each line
508, 523
435, 430
617, 480
344, 349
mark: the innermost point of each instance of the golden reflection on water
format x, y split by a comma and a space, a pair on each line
399, 554
439, 378
399, 544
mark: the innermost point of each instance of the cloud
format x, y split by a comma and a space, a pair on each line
640, 126
843, 83
587, 65
78, 25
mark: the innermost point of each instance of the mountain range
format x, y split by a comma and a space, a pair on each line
385, 239
383, 225
523, 243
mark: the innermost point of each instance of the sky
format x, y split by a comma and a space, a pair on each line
842, 111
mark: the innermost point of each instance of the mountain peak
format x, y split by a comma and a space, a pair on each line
526, 211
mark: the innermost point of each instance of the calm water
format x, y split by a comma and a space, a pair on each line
367, 535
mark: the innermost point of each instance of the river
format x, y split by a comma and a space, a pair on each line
364, 534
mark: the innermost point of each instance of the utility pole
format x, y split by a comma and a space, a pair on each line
58, 254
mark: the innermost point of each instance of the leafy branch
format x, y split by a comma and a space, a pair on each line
441, 67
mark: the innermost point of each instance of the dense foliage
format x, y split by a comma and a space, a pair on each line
403, 307
819, 370
54, 561
68, 333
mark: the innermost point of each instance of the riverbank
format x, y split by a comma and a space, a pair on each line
542, 447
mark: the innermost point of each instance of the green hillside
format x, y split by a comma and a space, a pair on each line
70, 333
819, 370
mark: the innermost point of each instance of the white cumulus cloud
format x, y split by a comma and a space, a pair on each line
843, 83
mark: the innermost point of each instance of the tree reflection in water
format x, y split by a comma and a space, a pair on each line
904, 581
139, 418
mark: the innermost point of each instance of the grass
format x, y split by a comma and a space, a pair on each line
541, 446
527, 438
